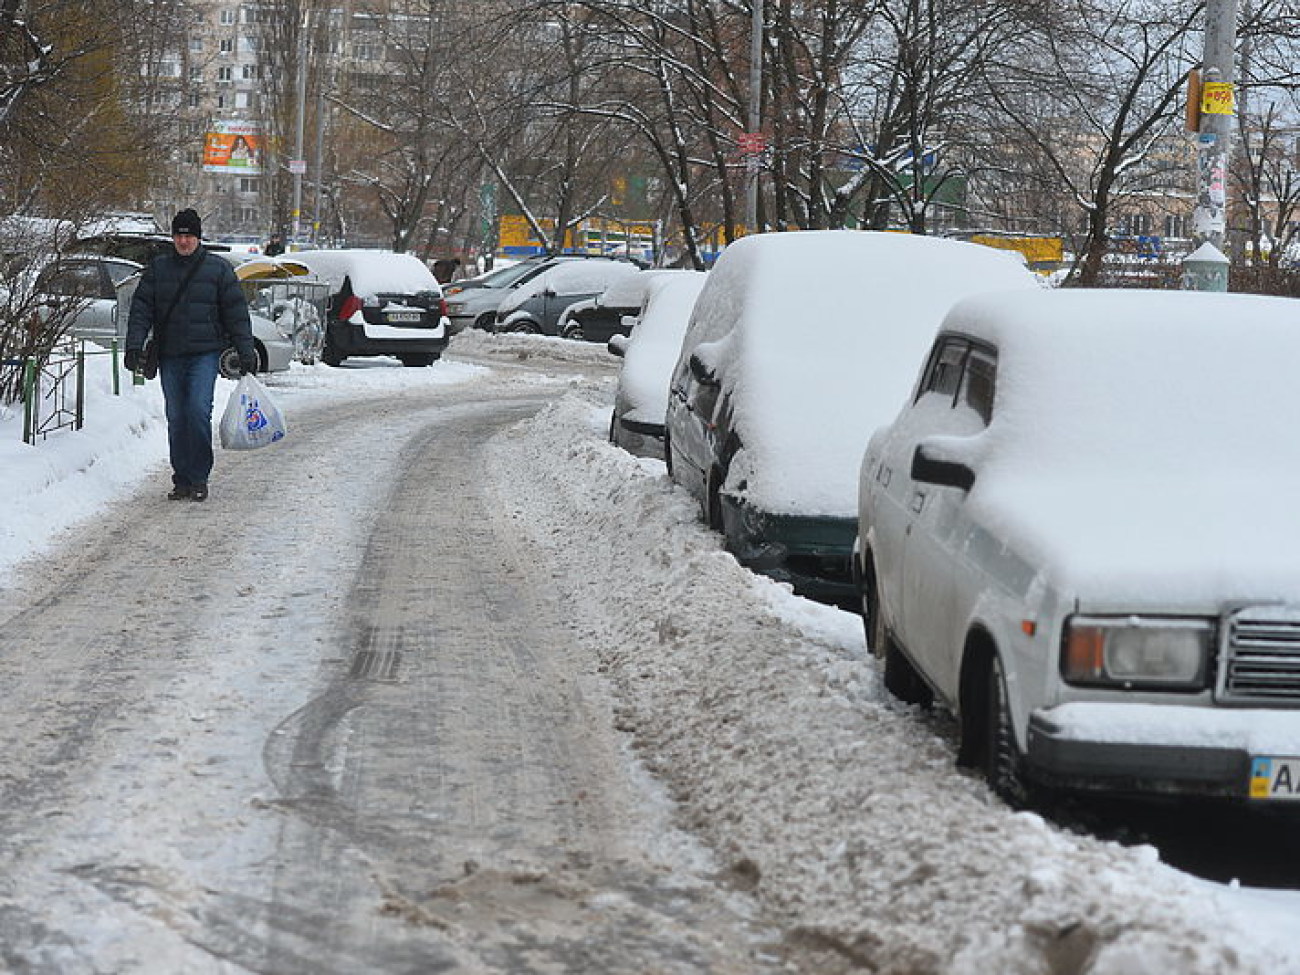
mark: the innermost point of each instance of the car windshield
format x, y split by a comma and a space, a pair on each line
507, 276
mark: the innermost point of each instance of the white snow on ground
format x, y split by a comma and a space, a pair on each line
839, 808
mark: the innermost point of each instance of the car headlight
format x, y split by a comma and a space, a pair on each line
1136, 651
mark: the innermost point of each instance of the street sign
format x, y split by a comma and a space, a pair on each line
298, 166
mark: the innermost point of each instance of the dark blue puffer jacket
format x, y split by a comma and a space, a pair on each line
212, 314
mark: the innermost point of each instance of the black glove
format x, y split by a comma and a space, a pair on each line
132, 360
247, 363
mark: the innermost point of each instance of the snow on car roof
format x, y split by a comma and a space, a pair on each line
371, 271
836, 324
1143, 442
571, 278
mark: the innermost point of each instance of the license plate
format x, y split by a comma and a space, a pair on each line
405, 316
1275, 778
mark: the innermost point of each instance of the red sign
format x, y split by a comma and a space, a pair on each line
752, 143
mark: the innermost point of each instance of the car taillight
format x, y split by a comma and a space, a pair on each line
351, 305
442, 307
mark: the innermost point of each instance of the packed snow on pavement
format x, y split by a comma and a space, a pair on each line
836, 807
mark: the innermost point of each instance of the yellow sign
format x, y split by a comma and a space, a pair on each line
1037, 250
1218, 98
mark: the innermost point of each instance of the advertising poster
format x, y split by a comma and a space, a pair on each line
234, 148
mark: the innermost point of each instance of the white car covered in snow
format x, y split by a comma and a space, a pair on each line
1081, 535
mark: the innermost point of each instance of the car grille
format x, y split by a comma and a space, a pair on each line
1259, 661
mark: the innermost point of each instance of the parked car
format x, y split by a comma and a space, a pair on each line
649, 352
612, 312
537, 306
1080, 535
474, 301
381, 303
778, 386
84, 288
285, 291
275, 349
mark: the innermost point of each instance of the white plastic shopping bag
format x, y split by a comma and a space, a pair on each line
251, 419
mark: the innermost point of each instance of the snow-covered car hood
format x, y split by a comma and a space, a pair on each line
1200, 542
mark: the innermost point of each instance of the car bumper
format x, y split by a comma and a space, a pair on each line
353, 339
1157, 749
813, 554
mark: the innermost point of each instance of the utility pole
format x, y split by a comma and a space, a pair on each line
1215, 112
298, 164
753, 155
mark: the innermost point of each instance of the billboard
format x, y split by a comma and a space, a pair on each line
234, 148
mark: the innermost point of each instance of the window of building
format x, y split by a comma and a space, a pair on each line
196, 44
245, 99
249, 184
225, 73
249, 72
227, 46
248, 45
227, 17
221, 101
196, 72
193, 99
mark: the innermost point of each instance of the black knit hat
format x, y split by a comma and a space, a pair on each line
187, 222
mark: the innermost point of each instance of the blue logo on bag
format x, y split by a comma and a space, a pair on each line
254, 418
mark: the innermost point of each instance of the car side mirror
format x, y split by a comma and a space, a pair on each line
929, 467
617, 345
703, 374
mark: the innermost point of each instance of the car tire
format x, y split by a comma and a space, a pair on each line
901, 678
1003, 764
228, 365
330, 357
573, 330
486, 322
522, 326
418, 359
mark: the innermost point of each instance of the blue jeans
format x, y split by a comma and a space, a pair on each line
187, 384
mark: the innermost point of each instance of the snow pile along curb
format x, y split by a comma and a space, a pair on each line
839, 808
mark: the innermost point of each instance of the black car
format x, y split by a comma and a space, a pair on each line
381, 303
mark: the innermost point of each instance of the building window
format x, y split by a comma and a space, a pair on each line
225, 73
227, 46
248, 184
193, 100
249, 72
227, 17
196, 72
245, 99
196, 44
248, 45
221, 101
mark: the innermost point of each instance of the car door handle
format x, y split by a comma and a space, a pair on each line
918, 502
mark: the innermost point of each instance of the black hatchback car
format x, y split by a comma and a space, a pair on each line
381, 303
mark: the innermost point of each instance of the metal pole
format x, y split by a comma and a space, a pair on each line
755, 111
1217, 118
301, 124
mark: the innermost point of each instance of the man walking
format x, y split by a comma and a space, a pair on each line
191, 302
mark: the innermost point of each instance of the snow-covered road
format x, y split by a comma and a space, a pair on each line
173, 779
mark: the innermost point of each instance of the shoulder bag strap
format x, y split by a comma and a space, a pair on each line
180, 293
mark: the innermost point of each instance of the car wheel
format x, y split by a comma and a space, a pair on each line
330, 357
417, 359
228, 364
486, 322
522, 326
572, 330
1002, 760
901, 678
